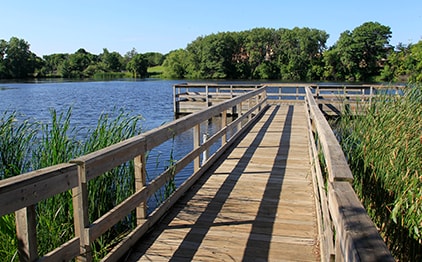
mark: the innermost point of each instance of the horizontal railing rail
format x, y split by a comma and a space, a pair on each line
21, 194
346, 231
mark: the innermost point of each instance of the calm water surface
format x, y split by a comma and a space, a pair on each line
152, 99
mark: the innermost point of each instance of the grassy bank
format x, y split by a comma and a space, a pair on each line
384, 149
26, 145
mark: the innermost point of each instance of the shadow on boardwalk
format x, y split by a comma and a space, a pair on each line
241, 234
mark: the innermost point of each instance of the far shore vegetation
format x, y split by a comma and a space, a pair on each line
299, 54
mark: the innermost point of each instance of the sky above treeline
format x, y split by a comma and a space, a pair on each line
165, 25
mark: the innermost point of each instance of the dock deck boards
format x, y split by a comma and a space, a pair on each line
256, 204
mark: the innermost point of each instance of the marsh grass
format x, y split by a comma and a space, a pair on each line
384, 149
16, 138
25, 146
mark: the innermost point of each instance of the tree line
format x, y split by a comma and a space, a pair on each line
17, 61
298, 54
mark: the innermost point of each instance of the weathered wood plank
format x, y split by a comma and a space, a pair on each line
30, 188
357, 237
251, 207
337, 165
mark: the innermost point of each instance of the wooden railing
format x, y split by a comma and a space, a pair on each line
332, 99
192, 97
21, 194
346, 231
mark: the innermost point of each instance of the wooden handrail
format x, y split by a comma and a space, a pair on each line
341, 214
20, 194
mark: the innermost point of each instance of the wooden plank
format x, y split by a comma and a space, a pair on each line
338, 168
252, 206
356, 236
65, 252
26, 233
30, 188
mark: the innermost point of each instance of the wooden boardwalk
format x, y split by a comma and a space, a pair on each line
256, 204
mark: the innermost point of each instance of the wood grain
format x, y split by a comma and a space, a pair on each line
256, 203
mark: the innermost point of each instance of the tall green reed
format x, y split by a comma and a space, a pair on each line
26, 146
384, 149
109, 189
17, 136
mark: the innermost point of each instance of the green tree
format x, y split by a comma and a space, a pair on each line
154, 58
3, 47
53, 62
299, 53
361, 51
113, 62
138, 66
175, 64
17, 60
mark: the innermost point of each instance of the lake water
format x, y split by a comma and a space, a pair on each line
151, 99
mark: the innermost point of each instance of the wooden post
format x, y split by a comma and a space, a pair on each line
140, 182
249, 108
26, 233
80, 214
223, 125
196, 144
206, 152
280, 92
174, 100
206, 96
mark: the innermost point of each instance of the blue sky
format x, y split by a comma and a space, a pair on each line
164, 25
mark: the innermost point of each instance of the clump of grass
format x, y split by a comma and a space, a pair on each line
384, 149
17, 136
116, 185
25, 146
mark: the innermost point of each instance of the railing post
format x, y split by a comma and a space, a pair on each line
249, 107
140, 182
80, 214
174, 100
206, 152
196, 144
297, 92
223, 125
207, 100
280, 92
26, 233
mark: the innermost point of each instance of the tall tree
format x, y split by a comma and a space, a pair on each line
112, 61
3, 47
361, 51
138, 65
18, 60
175, 64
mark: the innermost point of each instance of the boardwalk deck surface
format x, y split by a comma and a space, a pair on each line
256, 204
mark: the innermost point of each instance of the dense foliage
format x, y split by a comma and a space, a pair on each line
17, 61
298, 54
384, 149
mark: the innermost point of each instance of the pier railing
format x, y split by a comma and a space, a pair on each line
332, 99
21, 194
346, 231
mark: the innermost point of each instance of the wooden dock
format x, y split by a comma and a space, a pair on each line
256, 203
275, 186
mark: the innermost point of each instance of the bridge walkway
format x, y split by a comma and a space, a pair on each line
256, 203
